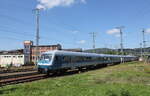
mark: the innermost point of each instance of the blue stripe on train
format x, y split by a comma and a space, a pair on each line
44, 66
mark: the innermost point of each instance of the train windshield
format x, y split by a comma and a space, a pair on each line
46, 57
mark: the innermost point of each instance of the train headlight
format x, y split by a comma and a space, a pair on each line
39, 63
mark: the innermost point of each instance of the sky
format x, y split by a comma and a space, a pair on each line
70, 22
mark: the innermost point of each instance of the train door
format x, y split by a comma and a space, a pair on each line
58, 61
73, 62
66, 61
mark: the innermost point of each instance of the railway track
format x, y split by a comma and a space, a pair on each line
20, 77
15, 78
23, 79
14, 71
17, 74
20, 69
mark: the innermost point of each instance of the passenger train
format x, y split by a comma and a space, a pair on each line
57, 61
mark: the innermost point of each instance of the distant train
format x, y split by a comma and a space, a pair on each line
58, 61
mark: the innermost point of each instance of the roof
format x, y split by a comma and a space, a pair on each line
83, 54
48, 45
12, 52
74, 50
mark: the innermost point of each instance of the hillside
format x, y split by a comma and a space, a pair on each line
129, 79
127, 51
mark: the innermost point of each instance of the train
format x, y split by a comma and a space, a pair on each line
60, 61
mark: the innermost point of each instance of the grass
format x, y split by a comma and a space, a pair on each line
129, 79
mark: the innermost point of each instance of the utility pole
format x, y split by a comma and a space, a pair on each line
116, 47
121, 41
141, 49
37, 11
144, 42
93, 36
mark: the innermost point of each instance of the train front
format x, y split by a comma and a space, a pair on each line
45, 63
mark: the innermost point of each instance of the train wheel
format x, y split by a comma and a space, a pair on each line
79, 70
39, 71
47, 73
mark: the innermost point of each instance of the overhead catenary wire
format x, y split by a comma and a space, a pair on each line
20, 21
21, 33
18, 38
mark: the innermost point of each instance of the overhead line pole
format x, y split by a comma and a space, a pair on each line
144, 42
37, 34
93, 36
141, 49
121, 41
121, 44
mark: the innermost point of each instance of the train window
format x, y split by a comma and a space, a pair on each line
74, 59
66, 59
105, 58
109, 58
88, 58
80, 58
77, 59
46, 57
94, 58
100, 58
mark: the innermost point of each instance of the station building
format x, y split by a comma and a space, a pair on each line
30, 50
13, 58
24, 56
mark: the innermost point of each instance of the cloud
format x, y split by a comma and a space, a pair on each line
48, 4
39, 6
148, 30
113, 31
83, 1
75, 32
81, 42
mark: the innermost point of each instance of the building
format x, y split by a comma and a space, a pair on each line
12, 58
24, 56
43, 48
30, 50
27, 51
